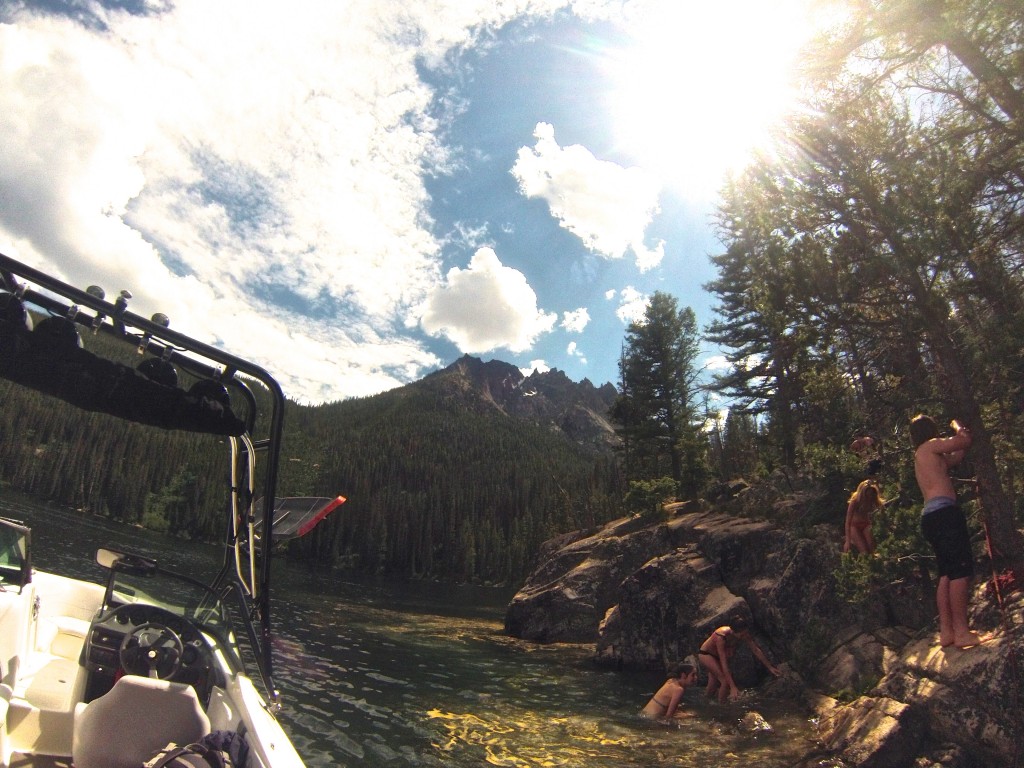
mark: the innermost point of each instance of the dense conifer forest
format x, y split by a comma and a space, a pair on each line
441, 485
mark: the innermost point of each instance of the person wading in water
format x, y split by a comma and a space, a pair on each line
665, 703
716, 651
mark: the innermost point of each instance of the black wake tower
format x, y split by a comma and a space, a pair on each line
42, 322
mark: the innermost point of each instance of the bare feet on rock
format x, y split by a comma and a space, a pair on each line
970, 640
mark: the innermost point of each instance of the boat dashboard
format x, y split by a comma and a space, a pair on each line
150, 641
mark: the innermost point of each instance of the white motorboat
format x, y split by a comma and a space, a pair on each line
105, 675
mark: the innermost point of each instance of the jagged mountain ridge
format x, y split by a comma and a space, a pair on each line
578, 410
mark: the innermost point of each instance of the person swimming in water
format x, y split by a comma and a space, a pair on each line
716, 651
665, 703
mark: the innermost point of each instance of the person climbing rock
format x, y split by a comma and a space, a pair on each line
716, 651
862, 503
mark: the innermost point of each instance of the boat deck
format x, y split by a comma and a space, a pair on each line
40, 761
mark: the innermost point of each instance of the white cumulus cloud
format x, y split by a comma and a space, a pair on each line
258, 175
576, 321
486, 306
539, 365
573, 350
604, 204
717, 363
632, 305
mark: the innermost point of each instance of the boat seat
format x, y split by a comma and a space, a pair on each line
62, 636
41, 711
133, 721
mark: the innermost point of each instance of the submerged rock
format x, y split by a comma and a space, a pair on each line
754, 723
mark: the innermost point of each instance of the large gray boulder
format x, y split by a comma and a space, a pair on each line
666, 610
937, 706
873, 732
974, 694
567, 596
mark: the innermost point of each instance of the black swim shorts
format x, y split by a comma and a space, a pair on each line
946, 530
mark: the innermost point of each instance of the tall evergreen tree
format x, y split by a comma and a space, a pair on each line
894, 218
657, 413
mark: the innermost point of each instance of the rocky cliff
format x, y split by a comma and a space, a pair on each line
881, 690
551, 399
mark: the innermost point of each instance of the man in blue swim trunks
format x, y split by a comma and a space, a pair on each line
944, 525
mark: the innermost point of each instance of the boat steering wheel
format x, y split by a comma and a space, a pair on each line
152, 650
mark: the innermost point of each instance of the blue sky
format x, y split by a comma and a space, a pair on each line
357, 193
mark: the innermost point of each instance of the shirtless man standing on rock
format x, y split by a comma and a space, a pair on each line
944, 526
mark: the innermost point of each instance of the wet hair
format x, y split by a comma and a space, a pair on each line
922, 429
679, 670
739, 624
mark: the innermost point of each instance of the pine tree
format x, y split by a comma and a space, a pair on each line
883, 236
657, 413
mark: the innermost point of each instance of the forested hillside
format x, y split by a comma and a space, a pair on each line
106, 466
460, 476
443, 481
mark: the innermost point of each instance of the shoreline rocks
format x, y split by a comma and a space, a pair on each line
647, 593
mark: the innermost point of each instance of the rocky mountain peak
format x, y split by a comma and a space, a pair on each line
549, 398
495, 380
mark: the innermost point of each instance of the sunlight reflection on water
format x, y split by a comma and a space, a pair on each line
424, 689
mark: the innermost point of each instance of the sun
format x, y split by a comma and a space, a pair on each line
702, 84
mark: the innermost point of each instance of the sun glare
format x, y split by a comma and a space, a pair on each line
702, 84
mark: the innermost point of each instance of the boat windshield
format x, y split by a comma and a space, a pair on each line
135, 580
15, 565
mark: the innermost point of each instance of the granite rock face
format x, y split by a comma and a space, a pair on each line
567, 596
646, 594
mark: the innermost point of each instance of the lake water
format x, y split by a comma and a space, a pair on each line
414, 674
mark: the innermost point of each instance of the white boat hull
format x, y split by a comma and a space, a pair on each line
43, 630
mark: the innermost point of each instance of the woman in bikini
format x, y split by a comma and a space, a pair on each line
864, 501
665, 702
716, 651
